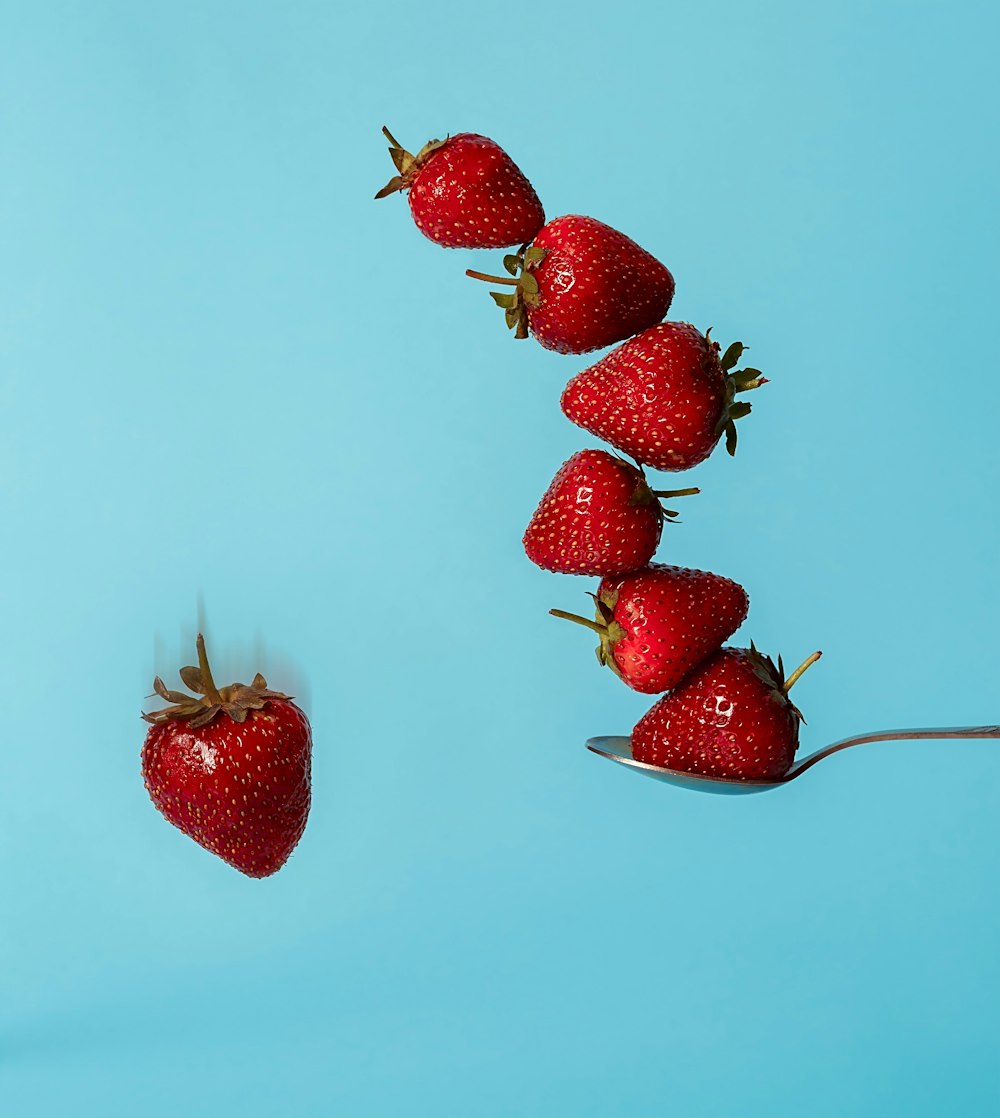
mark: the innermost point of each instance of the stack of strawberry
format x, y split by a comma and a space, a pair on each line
665, 398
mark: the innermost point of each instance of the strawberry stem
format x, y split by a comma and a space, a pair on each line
596, 626
667, 493
211, 691
391, 138
803, 667
491, 279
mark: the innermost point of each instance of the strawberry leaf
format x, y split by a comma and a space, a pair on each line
744, 379
606, 612
732, 356
205, 716
397, 182
191, 678
171, 696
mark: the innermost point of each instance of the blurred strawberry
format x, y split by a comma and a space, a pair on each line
230, 768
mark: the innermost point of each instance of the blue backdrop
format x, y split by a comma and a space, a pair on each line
227, 372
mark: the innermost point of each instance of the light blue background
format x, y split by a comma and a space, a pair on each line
227, 371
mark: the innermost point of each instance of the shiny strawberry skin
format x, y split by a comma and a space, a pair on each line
595, 286
722, 720
673, 618
241, 790
658, 397
469, 193
584, 524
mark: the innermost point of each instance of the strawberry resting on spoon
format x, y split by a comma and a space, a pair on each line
731, 717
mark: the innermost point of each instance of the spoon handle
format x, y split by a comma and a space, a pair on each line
894, 735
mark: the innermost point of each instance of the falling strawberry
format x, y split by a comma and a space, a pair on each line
230, 769
658, 623
466, 192
731, 717
665, 397
582, 285
598, 517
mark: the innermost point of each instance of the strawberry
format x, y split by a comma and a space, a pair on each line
466, 192
230, 769
582, 285
598, 517
658, 623
731, 717
664, 397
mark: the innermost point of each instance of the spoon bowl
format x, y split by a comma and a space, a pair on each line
619, 750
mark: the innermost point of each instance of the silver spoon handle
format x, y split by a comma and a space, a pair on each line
894, 735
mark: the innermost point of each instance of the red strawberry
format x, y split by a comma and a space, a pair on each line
598, 517
658, 623
231, 769
582, 286
731, 717
466, 192
664, 397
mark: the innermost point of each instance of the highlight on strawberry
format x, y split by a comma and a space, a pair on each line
581, 285
657, 623
731, 717
665, 397
465, 192
230, 767
598, 517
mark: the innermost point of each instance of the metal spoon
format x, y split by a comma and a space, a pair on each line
619, 750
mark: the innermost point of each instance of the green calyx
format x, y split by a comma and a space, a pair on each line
604, 624
645, 496
773, 676
737, 380
515, 304
406, 164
